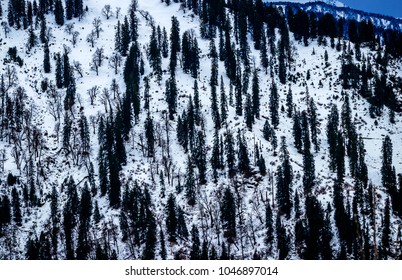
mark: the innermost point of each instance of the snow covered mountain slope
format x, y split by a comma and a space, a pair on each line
329, 2
340, 10
54, 160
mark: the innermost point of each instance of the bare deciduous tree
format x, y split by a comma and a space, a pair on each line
99, 53
75, 37
97, 24
91, 38
77, 67
9, 78
97, 59
105, 99
118, 11
69, 28
107, 11
115, 61
93, 93
54, 103
114, 87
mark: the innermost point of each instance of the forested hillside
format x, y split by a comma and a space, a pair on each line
197, 129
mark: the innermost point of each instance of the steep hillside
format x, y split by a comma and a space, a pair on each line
147, 141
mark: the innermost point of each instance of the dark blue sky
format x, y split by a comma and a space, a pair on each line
385, 7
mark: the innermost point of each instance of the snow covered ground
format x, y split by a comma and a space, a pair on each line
139, 167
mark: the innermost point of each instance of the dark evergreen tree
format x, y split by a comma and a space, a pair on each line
223, 103
215, 157
248, 112
314, 124
125, 37
297, 131
332, 137
195, 253
59, 72
214, 83
243, 163
230, 154
282, 239
46, 59
182, 231
200, 157
189, 185
17, 215
284, 181
274, 106
171, 218
154, 55
171, 96
386, 238
174, 45
289, 103
340, 158
256, 95
269, 223
163, 252
149, 134
150, 236
308, 159
238, 94
165, 44
228, 215
387, 171
59, 12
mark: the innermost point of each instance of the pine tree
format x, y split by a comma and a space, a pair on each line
289, 103
269, 223
163, 252
165, 45
256, 94
340, 158
17, 215
59, 72
149, 134
264, 53
332, 130
171, 218
214, 83
228, 215
125, 37
230, 154
174, 45
154, 55
223, 103
274, 106
59, 12
66, 69
182, 231
150, 236
243, 164
387, 174
386, 232
195, 253
189, 185
215, 157
297, 131
282, 63
248, 111
282, 239
46, 59
314, 124
284, 180
308, 159
200, 157
171, 96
